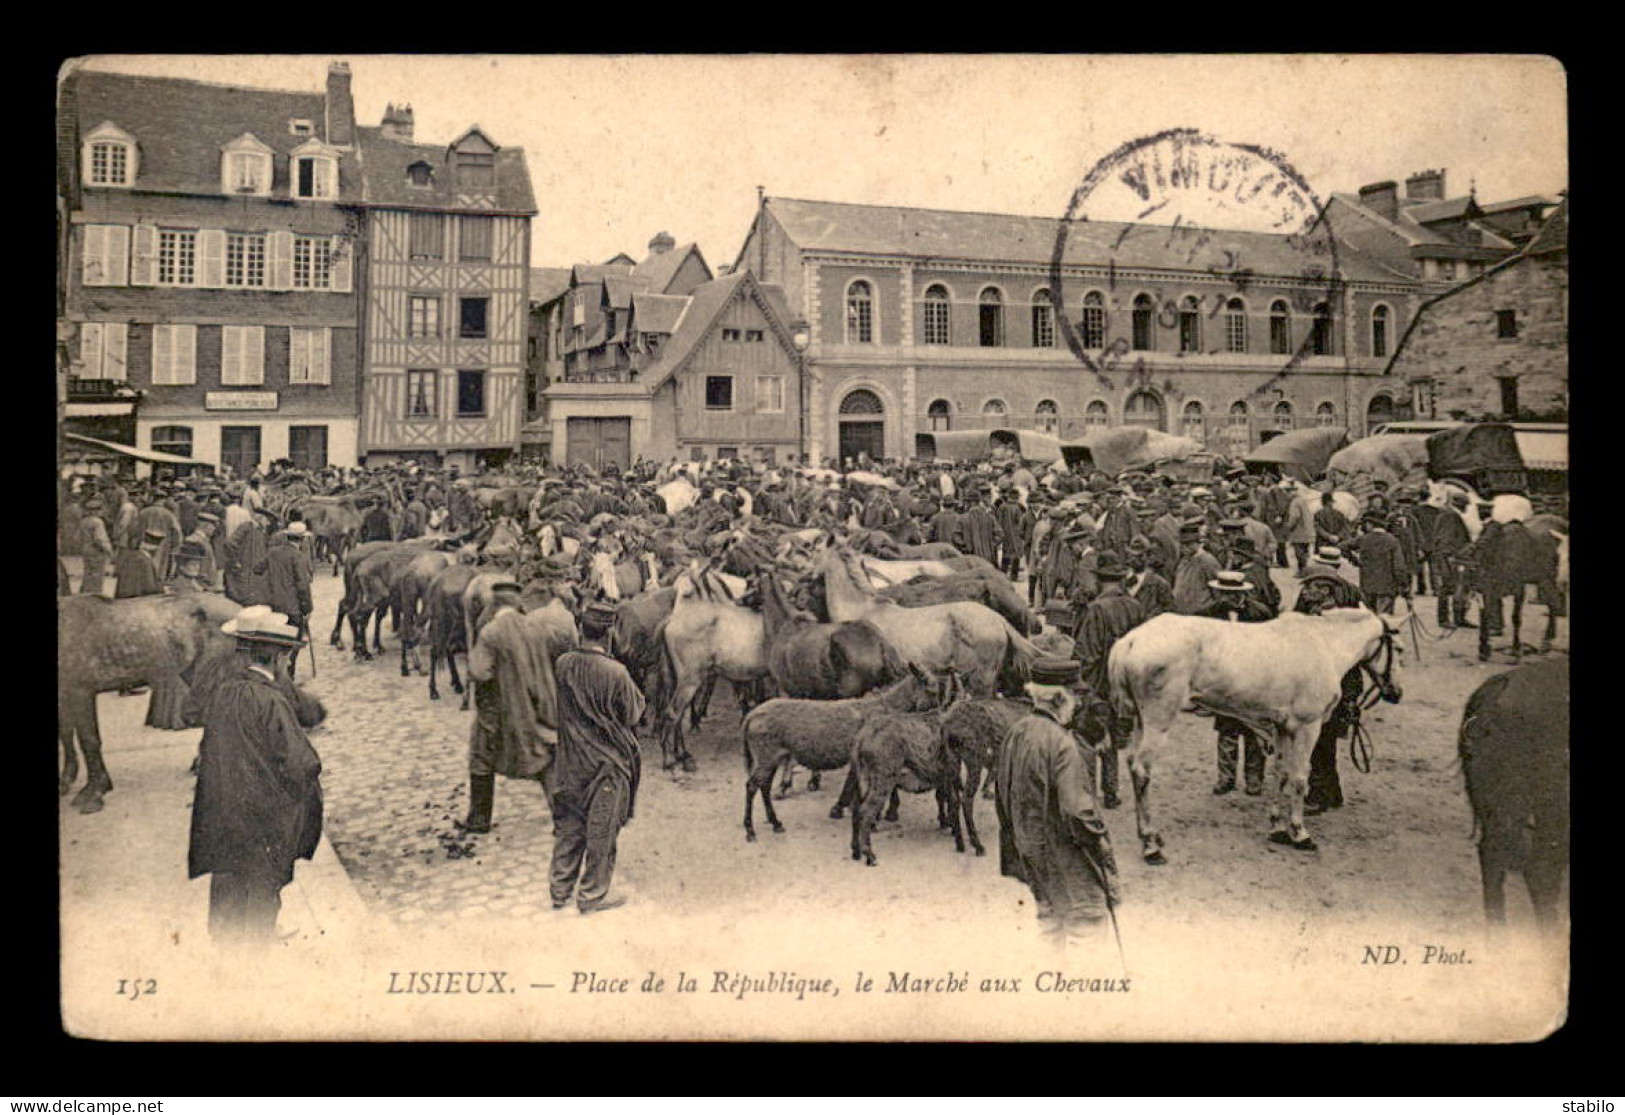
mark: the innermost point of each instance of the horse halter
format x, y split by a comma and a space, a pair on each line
1382, 686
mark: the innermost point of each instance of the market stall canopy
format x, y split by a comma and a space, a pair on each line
982, 445
1547, 450
1113, 449
152, 456
1300, 454
1398, 460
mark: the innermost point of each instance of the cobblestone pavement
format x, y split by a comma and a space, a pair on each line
395, 773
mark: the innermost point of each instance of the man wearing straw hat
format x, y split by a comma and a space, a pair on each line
258, 805
1051, 836
1235, 602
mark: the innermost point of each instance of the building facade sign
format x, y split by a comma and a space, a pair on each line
240, 400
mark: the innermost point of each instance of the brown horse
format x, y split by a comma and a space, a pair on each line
822, 660
1510, 557
106, 645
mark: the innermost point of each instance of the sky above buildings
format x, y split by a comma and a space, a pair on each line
621, 148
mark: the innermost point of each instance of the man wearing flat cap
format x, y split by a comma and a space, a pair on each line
258, 805
1324, 587
595, 779
1109, 616
1051, 835
288, 574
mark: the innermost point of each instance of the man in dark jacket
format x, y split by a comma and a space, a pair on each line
946, 526
1235, 602
1148, 585
287, 576
245, 564
1015, 533
1194, 575
980, 531
1403, 526
1109, 616
258, 805
136, 571
1323, 587
1332, 527
1426, 518
1383, 574
1243, 558
1117, 526
375, 525
595, 781
1448, 549
1051, 835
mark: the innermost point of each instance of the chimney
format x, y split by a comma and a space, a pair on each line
661, 244
1381, 198
398, 123
1425, 185
340, 106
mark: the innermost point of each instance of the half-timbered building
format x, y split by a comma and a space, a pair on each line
446, 308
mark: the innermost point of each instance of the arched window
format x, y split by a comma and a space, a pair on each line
1238, 433
245, 166
1191, 423
1379, 410
313, 167
1321, 331
1043, 319
1326, 415
862, 401
1096, 414
110, 156
173, 439
420, 173
940, 415
990, 318
1094, 320
1048, 416
1280, 328
860, 314
1235, 326
1144, 408
1145, 313
1190, 324
996, 409
937, 315
1379, 331
1283, 415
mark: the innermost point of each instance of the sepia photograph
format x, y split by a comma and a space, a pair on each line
851, 547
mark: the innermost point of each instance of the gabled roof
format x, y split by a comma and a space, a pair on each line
1401, 225
658, 270
829, 226
618, 290
583, 273
548, 283
1553, 235
385, 161
180, 127
1531, 202
657, 313
705, 306
1450, 209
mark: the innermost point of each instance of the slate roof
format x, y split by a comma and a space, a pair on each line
1401, 225
618, 290
657, 313
829, 226
1553, 235
659, 268
583, 273
1529, 202
705, 305
1449, 209
548, 283
385, 162
180, 126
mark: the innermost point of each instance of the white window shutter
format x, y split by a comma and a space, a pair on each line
298, 356
231, 355
115, 339
185, 354
321, 356
94, 262
343, 255
254, 355
327, 170
163, 354
90, 349
281, 246
144, 256
212, 267
118, 255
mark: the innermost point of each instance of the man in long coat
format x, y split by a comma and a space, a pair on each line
947, 526
515, 726
245, 564
258, 805
1148, 585
155, 516
1051, 836
1234, 602
1447, 548
1117, 525
595, 781
1015, 533
96, 547
1196, 569
287, 576
1109, 616
1383, 574
136, 571
981, 531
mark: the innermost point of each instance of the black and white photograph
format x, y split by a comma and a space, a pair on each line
859, 547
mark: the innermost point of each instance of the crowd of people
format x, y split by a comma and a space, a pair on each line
1096, 555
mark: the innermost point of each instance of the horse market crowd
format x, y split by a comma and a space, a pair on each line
1072, 560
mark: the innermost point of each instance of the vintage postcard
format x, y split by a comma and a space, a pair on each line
868, 547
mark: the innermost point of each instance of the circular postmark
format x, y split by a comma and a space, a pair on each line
1182, 229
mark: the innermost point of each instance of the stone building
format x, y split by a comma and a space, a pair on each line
1496, 346
926, 319
210, 264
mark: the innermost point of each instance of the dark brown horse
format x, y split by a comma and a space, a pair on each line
1511, 557
822, 661
1514, 747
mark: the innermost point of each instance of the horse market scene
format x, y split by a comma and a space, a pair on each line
1149, 699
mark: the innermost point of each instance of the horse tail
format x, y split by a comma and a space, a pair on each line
1016, 666
1122, 693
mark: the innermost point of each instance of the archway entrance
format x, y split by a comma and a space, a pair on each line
862, 426
1144, 408
1379, 410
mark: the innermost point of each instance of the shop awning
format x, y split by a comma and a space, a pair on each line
150, 455
100, 410
1543, 449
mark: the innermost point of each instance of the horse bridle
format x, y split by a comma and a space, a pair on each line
1380, 685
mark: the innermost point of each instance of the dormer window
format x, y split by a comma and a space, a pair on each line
420, 173
315, 171
475, 160
110, 157
245, 167
301, 128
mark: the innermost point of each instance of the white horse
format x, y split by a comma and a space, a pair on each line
709, 633
1281, 678
884, 573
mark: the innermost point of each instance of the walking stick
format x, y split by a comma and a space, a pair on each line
310, 644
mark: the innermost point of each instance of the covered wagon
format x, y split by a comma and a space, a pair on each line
1115, 449
1301, 455
1398, 460
1484, 455
988, 445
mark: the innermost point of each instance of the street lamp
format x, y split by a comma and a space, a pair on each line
801, 337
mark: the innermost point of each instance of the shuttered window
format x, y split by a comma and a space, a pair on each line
428, 237
174, 355
106, 257
475, 235
242, 355
310, 356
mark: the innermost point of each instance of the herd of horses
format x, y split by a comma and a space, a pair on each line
902, 664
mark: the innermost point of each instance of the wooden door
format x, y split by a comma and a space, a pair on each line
863, 437
240, 448
599, 442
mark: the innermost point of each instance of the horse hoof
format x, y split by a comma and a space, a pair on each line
750, 838
1156, 858
981, 851
856, 856
777, 827
836, 813
1307, 844
1280, 837
891, 815
689, 765
869, 861
90, 805
433, 696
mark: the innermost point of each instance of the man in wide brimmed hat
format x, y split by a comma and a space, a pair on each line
1235, 602
189, 569
1243, 558
1051, 835
1194, 572
136, 571
258, 805
1108, 617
